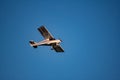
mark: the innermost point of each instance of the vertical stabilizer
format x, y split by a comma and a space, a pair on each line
32, 44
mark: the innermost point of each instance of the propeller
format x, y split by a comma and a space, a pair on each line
60, 39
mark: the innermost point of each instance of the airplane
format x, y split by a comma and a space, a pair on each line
49, 40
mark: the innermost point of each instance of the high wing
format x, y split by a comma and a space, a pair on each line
58, 48
45, 33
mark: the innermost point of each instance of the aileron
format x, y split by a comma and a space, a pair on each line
45, 33
58, 48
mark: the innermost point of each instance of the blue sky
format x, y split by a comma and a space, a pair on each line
90, 31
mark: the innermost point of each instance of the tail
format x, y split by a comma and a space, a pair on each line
32, 43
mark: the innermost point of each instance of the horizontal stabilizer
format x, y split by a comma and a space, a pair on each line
32, 43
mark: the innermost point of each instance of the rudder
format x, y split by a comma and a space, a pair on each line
32, 43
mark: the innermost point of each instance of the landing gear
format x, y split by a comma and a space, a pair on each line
52, 48
57, 43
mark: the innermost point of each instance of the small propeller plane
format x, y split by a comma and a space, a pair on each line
49, 40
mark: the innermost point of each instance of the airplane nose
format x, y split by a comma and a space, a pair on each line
61, 40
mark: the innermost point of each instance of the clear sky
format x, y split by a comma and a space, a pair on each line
90, 30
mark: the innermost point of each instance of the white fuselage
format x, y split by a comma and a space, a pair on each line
47, 42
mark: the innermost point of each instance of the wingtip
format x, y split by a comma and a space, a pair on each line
42, 26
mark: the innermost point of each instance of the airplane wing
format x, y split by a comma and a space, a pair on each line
58, 48
45, 33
